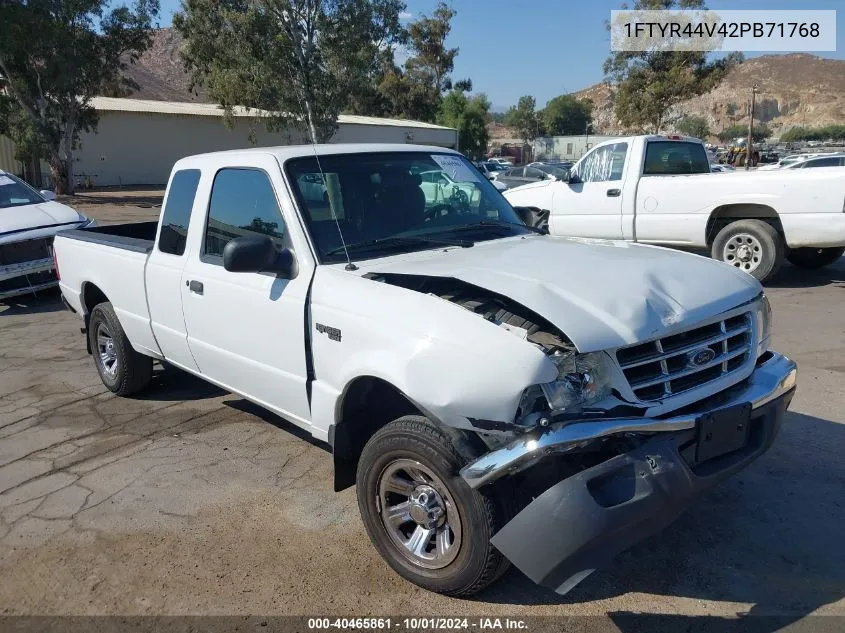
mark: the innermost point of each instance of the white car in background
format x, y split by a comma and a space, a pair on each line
440, 188
796, 161
828, 160
28, 221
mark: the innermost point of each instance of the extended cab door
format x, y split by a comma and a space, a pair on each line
674, 192
163, 275
247, 330
592, 205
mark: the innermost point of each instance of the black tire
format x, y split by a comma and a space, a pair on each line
129, 372
477, 563
814, 257
768, 247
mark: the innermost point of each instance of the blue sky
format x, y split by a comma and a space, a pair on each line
544, 48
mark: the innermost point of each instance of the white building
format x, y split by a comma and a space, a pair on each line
566, 147
138, 141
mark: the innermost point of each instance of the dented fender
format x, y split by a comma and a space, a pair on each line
444, 358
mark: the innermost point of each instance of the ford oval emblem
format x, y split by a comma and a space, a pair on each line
699, 357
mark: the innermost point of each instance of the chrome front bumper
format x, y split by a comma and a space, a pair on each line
771, 379
20, 272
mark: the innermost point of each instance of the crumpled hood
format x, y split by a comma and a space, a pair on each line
601, 294
32, 216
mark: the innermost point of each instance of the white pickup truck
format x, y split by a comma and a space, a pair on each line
659, 190
495, 394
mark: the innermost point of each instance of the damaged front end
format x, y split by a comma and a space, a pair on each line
592, 457
626, 478
582, 379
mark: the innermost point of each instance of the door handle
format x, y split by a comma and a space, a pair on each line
195, 286
614, 193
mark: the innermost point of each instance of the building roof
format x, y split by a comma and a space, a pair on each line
284, 152
112, 104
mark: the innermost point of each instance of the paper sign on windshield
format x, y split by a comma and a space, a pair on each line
455, 168
5, 180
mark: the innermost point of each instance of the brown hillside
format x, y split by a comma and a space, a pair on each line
159, 71
794, 89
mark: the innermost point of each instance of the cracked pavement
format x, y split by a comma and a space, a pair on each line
189, 500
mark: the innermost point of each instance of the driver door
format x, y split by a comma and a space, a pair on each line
592, 207
247, 330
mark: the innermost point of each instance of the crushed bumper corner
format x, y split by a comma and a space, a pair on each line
584, 521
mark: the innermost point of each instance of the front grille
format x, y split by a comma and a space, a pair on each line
675, 364
30, 250
24, 282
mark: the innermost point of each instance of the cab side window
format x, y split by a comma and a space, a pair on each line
603, 164
177, 211
242, 203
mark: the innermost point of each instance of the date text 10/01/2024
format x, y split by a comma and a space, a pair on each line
417, 623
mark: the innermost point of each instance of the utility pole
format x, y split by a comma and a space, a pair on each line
748, 147
587, 137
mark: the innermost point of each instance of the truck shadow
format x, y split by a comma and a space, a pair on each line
42, 302
770, 537
171, 384
280, 423
793, 277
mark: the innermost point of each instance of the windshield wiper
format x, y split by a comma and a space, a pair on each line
398, 240
492, 223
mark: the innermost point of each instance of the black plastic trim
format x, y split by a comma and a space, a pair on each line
110, 235
584, 521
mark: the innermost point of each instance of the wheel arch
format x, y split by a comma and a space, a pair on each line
368, 403
92, 296
725, 214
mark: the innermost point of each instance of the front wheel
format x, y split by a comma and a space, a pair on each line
422, 517
752, 246
814, 257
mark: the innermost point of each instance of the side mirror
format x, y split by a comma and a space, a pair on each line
570, 177
47, 194
258, 253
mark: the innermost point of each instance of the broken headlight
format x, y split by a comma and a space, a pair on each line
582, 379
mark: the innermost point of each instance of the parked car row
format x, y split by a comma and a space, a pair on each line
806, 161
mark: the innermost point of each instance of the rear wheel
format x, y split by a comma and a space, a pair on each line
122, 370
422, 517
814, 257
752, 246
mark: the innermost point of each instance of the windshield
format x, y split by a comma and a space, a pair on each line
14, 192
379, 197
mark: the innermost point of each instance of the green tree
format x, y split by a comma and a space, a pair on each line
833, 132
693, 126
296, 60
651, 83
415, 91
431, 58
469, 116
54, 57
759, 133
566, 115
523, 117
